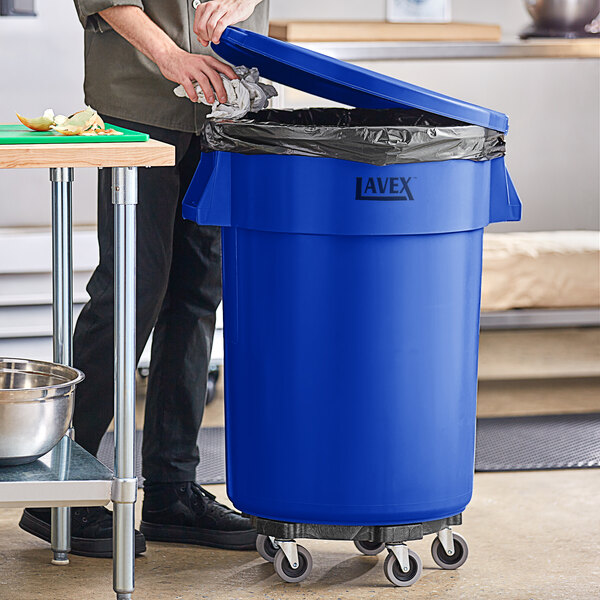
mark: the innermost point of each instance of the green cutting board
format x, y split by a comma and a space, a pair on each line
19, 134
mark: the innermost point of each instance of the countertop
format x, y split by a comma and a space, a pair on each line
507, 48
106, 154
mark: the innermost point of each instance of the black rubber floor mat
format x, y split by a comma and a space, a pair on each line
212, 455
538, 442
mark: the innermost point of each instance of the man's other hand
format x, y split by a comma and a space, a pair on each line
184, 68
214, 16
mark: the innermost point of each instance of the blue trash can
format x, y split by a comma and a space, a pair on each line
351, 311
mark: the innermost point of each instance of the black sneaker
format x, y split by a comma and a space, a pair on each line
185, 513
91, 530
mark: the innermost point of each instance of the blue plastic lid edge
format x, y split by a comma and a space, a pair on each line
236, 39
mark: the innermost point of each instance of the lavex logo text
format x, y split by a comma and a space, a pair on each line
384, 188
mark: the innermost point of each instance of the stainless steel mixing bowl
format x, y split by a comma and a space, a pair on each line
36, 406
563, 15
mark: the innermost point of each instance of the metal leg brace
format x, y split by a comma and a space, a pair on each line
401, 553
290, 549
62, 317
447, 540
274, 542
124, 491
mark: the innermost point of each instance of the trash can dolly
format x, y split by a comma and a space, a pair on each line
276, 543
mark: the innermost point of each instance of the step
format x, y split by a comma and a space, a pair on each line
539, 354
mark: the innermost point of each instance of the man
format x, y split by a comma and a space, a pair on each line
136, 53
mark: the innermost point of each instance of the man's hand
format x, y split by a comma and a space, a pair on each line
175, 64
182, 67
214, 16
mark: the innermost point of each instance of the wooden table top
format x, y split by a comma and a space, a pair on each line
106, 154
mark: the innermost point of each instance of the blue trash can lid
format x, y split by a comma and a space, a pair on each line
342, 82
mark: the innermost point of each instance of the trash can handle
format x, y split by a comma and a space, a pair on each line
208, 199
504, 200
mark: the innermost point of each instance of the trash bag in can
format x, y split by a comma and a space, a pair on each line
377, 137
352, 248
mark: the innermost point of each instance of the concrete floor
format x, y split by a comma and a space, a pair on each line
531, 535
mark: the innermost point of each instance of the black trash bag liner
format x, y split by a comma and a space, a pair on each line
378, 137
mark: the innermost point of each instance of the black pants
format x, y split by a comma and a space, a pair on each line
178, 291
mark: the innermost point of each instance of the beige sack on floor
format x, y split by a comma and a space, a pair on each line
546, 269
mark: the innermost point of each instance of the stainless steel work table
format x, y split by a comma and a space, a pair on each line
68, 475
505, 49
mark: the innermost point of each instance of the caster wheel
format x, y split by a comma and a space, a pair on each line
369, 548
397, 576
285, 571
461, 552
266, 548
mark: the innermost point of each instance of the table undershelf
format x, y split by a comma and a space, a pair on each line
66, 476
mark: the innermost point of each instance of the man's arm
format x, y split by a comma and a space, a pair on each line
175, 64
213, 17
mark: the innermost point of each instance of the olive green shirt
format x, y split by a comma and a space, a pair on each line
121, 82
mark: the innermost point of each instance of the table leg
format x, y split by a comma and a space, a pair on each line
124, 494
62, 317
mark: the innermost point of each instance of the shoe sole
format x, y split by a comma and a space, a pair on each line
92, 548
178, 534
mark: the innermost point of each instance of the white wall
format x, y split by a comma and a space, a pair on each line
553, 145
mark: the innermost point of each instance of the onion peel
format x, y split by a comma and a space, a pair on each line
43, 123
